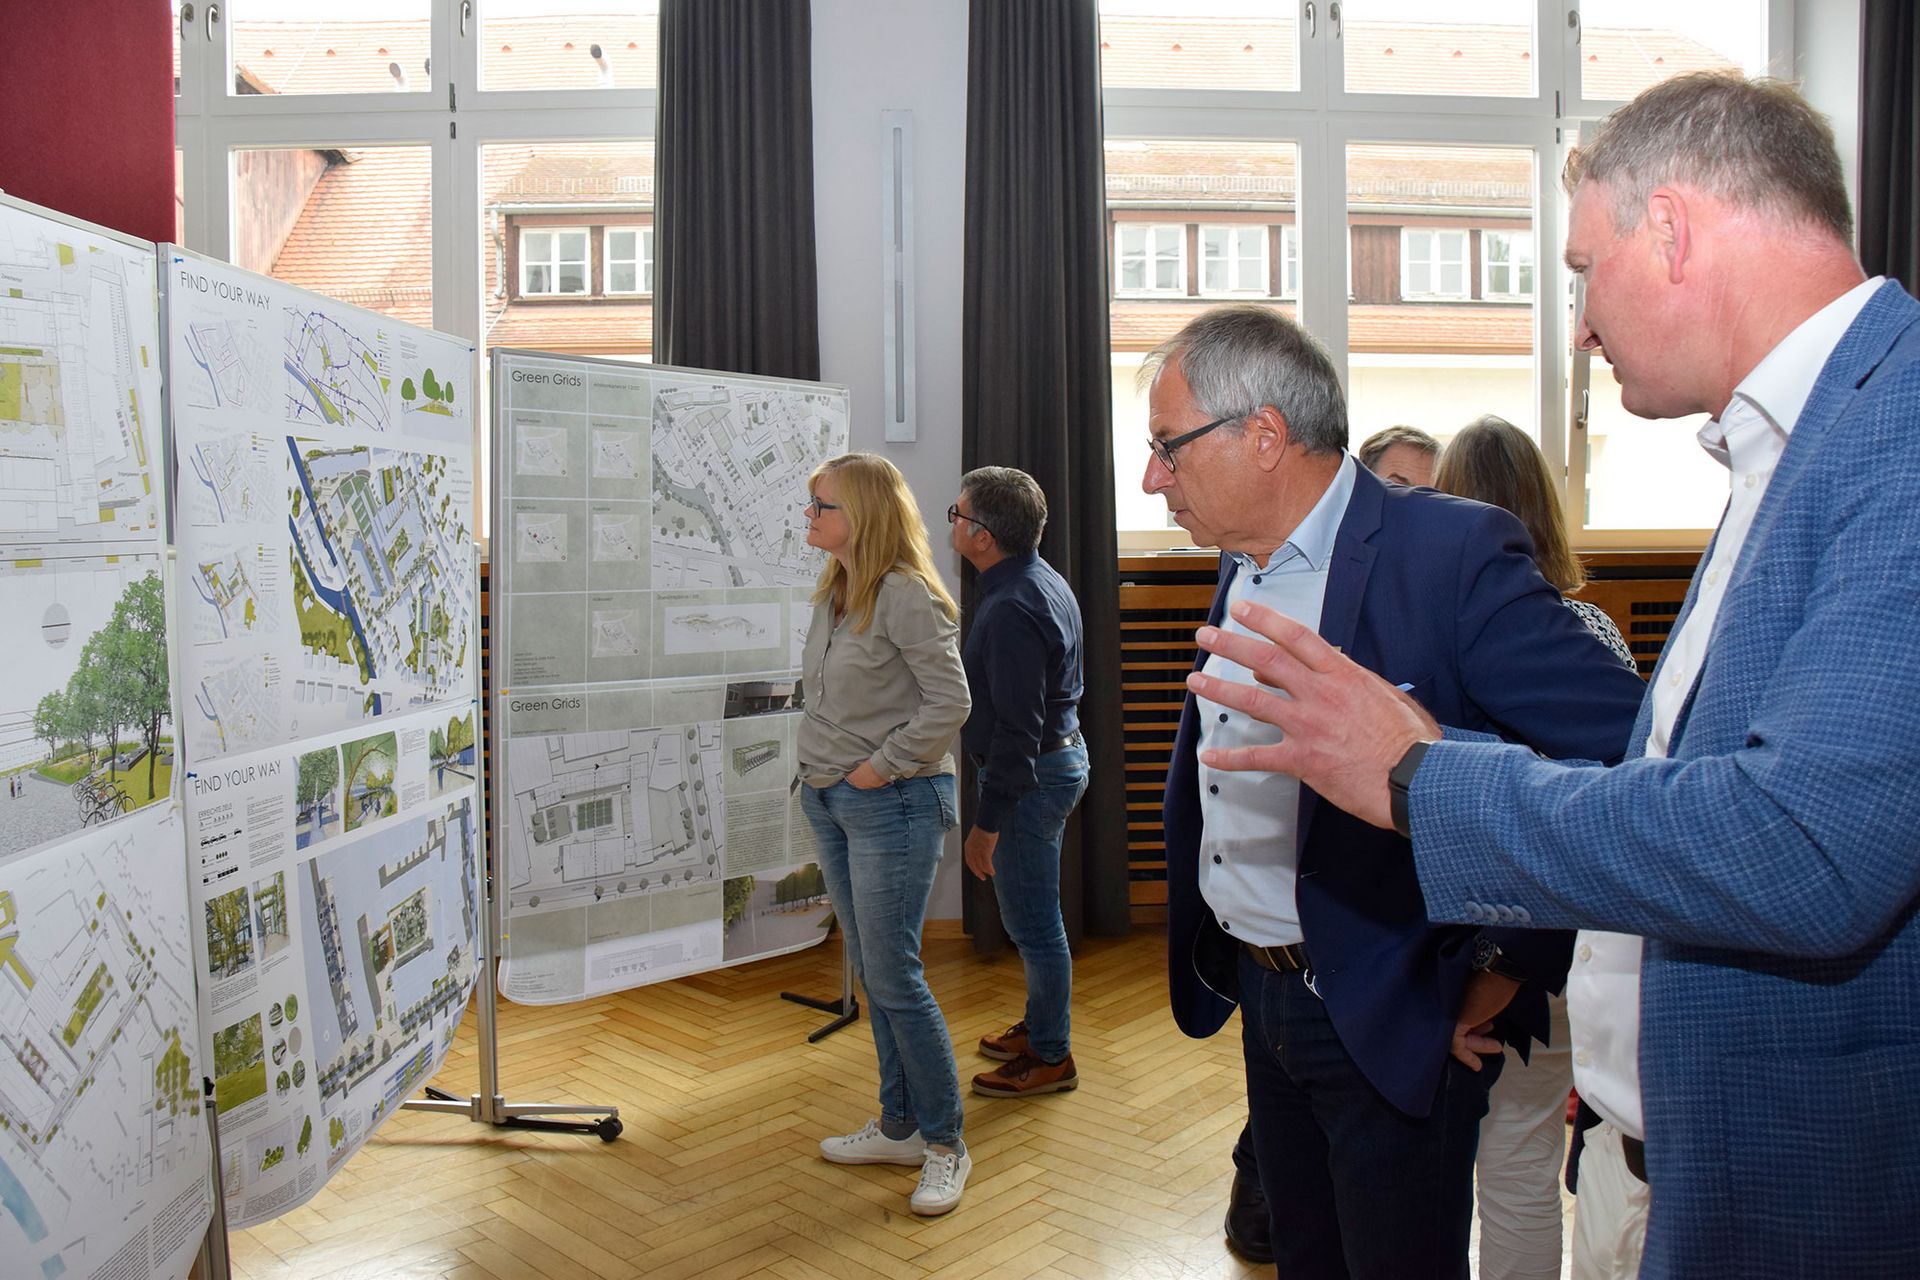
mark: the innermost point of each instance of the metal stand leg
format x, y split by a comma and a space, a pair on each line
489, 1106
215, 1262
847, 1006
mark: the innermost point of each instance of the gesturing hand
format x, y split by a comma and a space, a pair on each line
1344, 727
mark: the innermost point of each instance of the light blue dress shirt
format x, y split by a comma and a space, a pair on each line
1248, 820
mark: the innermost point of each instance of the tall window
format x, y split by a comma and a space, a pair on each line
1506, 264
629, 260
1152, 259
484, 168
1403, 158
1233, 260
1433, 264
553, 261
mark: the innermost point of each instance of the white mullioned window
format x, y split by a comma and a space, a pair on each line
1152, 257
1433, 263
1506, 264
1233, 260
553, 261
629, 260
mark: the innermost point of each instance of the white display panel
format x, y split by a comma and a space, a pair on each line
104, 1160
330, 663
652, 592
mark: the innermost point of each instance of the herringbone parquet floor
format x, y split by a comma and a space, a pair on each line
718, 1172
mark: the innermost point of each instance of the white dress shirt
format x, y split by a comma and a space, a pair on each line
1248, 820
1603, 989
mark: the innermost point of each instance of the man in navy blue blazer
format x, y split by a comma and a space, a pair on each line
1756, 857
1367, 1031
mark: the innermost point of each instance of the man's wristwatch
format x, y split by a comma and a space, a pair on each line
1489, 958
1400, 782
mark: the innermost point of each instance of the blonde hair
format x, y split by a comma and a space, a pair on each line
884, 533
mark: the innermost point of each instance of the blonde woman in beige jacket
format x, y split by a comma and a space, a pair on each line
885, 694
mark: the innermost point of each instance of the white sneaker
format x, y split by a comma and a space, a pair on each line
870, 1146
942, 1178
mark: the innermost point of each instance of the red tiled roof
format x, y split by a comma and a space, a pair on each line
583, 328
1436, 57
366, 234
1193, 173
1421, 327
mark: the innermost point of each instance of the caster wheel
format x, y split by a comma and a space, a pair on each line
609, 1129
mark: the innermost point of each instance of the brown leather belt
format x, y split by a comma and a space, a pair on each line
1073, 739
1279, 959
1635, 1152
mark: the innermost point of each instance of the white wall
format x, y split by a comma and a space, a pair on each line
868, 58
1826, 61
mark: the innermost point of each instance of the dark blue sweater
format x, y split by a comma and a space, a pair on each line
1023, 670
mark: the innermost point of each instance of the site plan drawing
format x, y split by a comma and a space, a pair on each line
103, 1148
327, 532
730, 468
79, 390
652, 551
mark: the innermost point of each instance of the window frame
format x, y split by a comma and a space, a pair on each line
555, 264
1487, 292
1321, 118
642, 261
1232, 260
1151, 258
1436, 264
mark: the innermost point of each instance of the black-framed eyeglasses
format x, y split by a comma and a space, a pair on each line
955, 514
1164, 449
815, 507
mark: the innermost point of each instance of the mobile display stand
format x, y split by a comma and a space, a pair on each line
489, 1106
215, 1261
846, 1009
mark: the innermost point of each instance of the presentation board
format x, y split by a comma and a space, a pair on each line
651, 594
329, 667
104, 1159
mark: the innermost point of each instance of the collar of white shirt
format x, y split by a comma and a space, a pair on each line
1779, 385
1312, 539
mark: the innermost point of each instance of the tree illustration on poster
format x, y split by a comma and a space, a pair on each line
120, 687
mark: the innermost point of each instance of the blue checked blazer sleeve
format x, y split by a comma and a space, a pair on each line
1785, 822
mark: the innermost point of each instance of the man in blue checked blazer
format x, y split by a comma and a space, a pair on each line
1747, 881
1365, 1027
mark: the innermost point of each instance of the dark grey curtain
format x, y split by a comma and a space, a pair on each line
1037, 376
1889, 211
735, 283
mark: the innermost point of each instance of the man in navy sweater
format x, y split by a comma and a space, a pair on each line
1023, 669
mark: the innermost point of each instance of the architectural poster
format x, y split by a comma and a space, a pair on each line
329, 664
104, 1161
652, 587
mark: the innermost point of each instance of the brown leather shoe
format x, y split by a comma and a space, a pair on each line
1027, 1075
1006, 1046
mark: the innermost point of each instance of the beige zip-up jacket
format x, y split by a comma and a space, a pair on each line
895, 694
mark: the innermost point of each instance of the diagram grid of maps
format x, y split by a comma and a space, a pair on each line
654, 582
104, 1160
329, 667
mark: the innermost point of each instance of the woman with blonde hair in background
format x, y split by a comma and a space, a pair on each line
885, 695
1523, 1137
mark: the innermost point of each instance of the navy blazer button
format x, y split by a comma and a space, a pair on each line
1522, 916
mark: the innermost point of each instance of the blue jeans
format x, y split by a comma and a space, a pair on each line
1026, 880
1356, 1187
878, 852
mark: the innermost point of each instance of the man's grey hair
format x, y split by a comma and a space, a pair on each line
1009, 503
1375, 446
1756, 144
1239, 358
